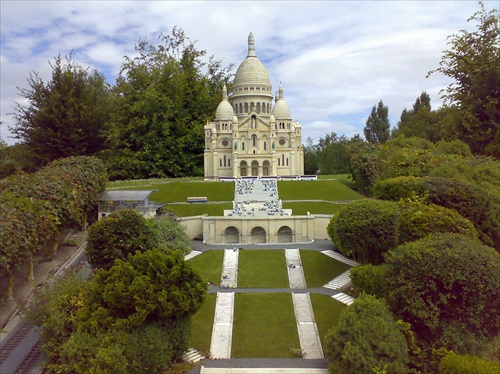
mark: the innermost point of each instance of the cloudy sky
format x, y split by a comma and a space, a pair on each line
336, 59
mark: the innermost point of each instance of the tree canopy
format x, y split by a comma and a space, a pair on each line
162, 100
366, 340
65, 115
377, 129
473, 63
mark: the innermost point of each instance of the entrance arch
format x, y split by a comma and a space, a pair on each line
258, 234
285, 235
231, 235
265, 168
255, 169
243, 168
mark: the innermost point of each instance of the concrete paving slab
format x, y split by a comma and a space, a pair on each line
294, 268
306, 325
222, 331
191, 255
229, 277
205, 370
337, 256
344, 298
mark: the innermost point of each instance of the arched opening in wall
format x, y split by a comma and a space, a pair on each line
258, 107
265, 168
255, 169
258, 235
285, 235
254, 140
243, 168
231, 235
246, 107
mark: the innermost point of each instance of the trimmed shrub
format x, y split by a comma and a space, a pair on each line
466, 364
369, 279
366, 340
366, 229
116, 236
395, 189
455, 147
419, 220
446, 286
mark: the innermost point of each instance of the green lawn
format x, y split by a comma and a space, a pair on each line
320, 269
326, 313
313, 207
329, 190
264, 326
188, 210
179, 191
209, 265
262, 269
201, 324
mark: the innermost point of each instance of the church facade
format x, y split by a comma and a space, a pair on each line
249, 135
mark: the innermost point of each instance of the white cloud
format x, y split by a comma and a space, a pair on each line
336, 59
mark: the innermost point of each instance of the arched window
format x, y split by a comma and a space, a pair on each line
265, 146
258, 107
246, 107
242, 146
254, 140
241, 108
252, 106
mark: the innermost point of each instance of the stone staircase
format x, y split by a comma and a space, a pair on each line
344, 298
192, 356
338, 283
192, 254
337, 256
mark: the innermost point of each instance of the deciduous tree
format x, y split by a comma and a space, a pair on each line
377, 129
473, 63
65, 115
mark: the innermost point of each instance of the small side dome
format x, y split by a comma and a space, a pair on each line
281, 110
272, 119
224, 110
235, 120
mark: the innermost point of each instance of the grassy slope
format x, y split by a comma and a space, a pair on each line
326, 313
201, 324
329, 190
264, 326
209, 265
320, 269
262, 269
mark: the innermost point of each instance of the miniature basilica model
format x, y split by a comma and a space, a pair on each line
251, 137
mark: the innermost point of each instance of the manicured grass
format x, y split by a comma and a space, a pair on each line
264, 326
326, 313
262, 269
312, 207
180, 191
320, 269
209, 265
329, 190
189, 210
201, 324
148, 182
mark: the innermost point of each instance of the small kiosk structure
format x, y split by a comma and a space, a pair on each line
112, 200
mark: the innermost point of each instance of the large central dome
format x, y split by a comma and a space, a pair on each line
251, 71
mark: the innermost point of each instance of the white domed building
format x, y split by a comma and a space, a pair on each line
250, 136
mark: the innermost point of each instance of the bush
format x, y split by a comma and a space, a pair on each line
369, 279
366, 229
466, 364
116, 236
446, 286
455, 147
169, 234
366, 340
419, 220
395, 189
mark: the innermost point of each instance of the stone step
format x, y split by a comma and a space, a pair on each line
192, 356
337, 256
343, 298
205, 370
191, 255
339, 282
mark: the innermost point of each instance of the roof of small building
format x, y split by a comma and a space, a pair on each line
113, 195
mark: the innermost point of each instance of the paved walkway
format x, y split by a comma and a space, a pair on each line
338, 283
222, 331
191, 255
294, 268
337, 256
